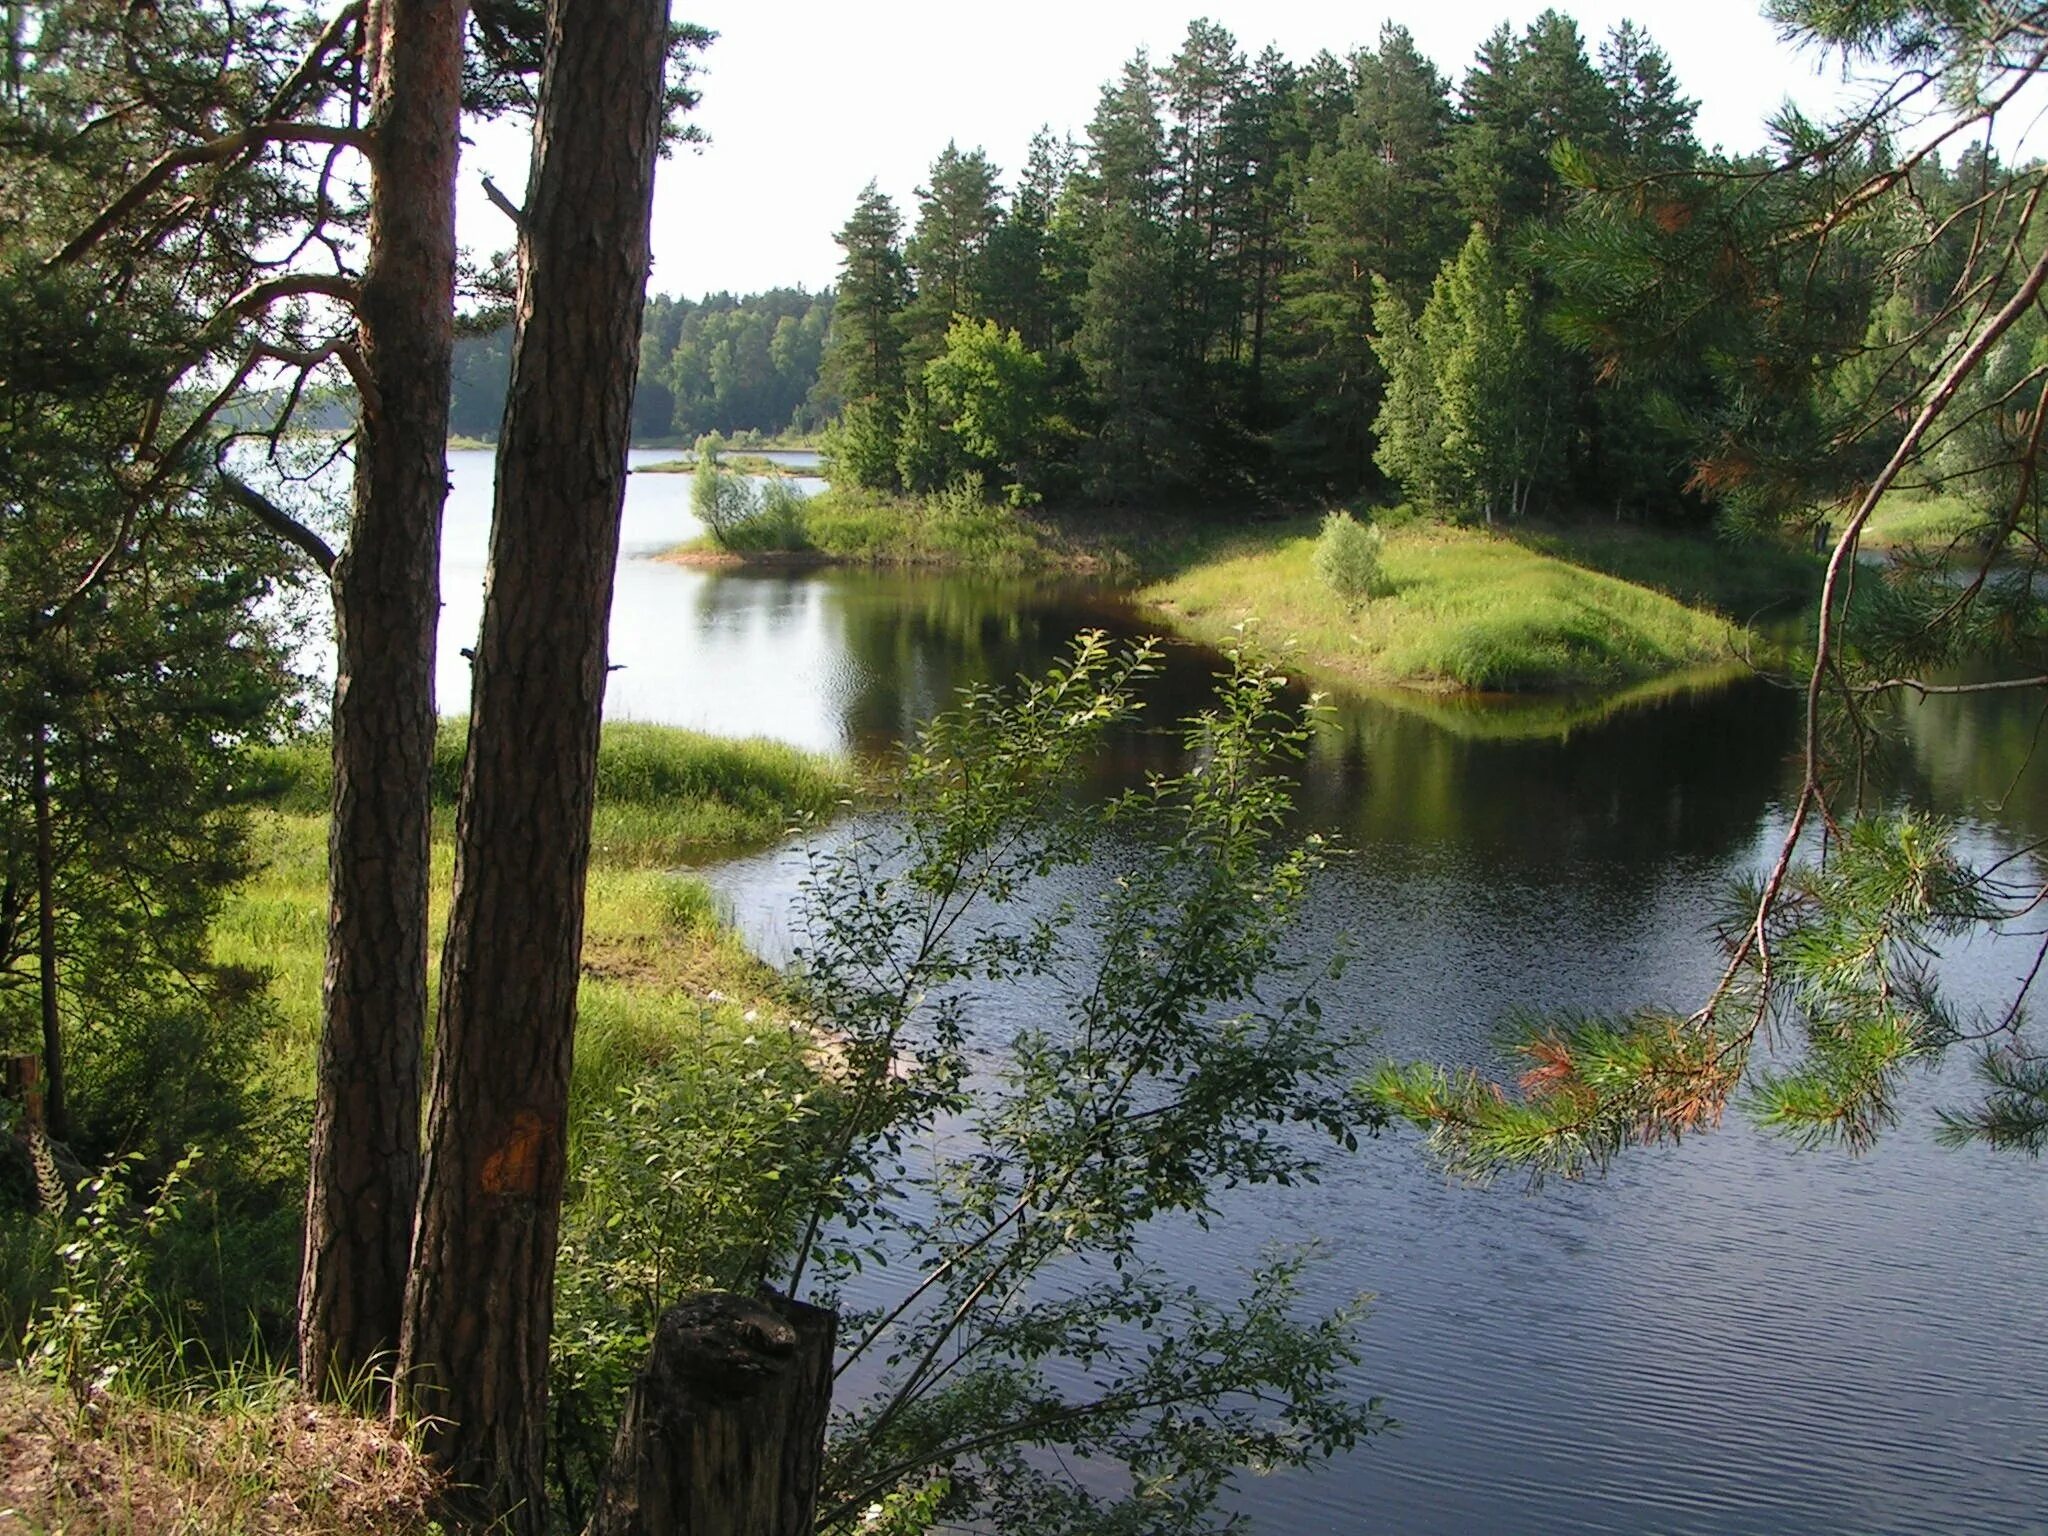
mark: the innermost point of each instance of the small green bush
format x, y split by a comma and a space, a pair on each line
741, 515
1347, 559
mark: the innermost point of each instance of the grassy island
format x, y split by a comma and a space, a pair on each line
740, 463
950, 531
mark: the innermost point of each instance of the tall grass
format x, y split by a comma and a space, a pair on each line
654, 943
663, 795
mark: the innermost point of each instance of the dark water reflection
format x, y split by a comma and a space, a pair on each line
1727, 1337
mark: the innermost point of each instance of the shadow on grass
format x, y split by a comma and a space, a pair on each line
1748, 582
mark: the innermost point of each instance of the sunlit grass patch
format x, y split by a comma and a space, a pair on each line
1464, 609
1927, 520
654, 941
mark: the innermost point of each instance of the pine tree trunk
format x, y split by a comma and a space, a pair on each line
56, 1112
365, 1153
724, 1433
480, 1301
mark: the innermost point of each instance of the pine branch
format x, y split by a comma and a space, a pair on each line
212, 152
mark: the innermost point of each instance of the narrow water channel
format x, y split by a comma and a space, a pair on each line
1729, 1337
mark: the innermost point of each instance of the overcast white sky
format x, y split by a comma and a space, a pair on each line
806, 101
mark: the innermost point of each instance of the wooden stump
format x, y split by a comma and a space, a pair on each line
724, 1432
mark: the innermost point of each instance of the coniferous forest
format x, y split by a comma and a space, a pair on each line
1251, 280
1254, 279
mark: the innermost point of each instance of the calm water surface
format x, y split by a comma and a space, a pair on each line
1727, 1337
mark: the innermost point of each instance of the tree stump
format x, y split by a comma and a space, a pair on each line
724, 1431
21, 1079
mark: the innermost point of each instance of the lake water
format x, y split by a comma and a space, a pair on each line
1726, 1337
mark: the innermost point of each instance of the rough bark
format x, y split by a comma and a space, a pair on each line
480, 1302
724, 1431
365, 1152
57, 1113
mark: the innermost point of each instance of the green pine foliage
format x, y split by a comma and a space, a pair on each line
1206, 277
1811, 332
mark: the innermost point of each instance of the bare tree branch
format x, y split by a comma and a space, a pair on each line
276, 519
504, 204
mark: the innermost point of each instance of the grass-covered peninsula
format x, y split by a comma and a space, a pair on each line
1534, 608
654, 948
1462, 609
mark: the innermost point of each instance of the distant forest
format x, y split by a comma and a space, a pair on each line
724, 364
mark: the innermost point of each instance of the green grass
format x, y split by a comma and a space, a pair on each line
664, 796
950, 530
654, 943
739, 463
1742, 581
1465, 610
1925, 520
216, 1445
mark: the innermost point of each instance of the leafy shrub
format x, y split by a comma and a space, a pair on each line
860, 448
721, 499
778, 522
1347, 558
741, 515
997, 1185
678, 1190
103, 1319
1164, 1035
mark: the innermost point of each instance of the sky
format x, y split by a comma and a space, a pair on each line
805, 102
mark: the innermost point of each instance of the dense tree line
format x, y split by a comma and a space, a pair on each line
730, 364
1256, 279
